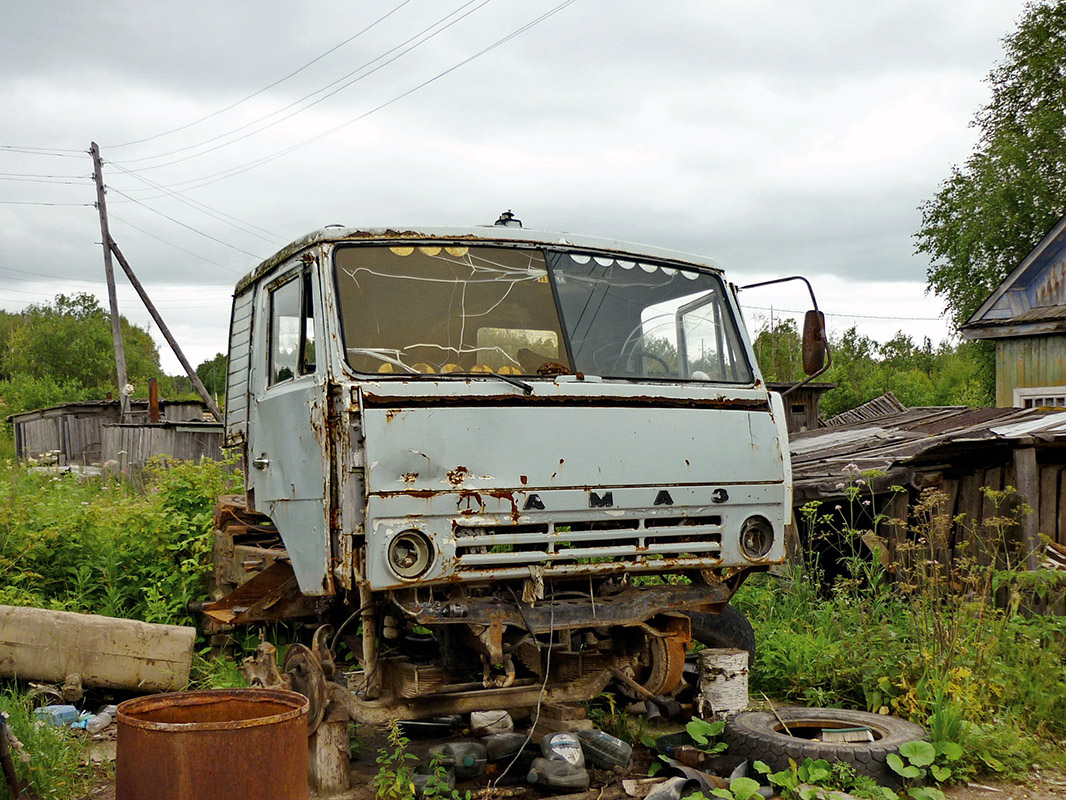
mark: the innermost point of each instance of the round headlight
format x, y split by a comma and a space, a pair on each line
756, 538
410, 554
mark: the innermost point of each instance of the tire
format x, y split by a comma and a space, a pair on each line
758, 735
728, 629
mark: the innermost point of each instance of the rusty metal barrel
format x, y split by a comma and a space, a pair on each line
218, 743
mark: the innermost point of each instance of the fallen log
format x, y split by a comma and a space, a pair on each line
108, 653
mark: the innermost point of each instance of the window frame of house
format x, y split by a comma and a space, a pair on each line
1040, 397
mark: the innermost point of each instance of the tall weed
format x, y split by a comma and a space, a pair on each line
106, 546
945, 644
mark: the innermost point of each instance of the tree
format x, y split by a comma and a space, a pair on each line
70, 343
993, 210
212, 374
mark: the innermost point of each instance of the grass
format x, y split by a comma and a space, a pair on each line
923, 640
932, 645
55, 768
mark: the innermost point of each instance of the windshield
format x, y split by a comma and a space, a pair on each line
438, 309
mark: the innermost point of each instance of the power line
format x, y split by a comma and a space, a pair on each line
21, 179
171, 244
206, 180
33, 203
312, 94
189, 227
42, 151
295, 72
845, 316
221, 216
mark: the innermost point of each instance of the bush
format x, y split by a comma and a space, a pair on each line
107, 547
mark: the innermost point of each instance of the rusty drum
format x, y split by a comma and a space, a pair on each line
220, 743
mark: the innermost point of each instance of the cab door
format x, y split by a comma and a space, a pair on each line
288, 445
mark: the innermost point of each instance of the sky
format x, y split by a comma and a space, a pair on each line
777, 137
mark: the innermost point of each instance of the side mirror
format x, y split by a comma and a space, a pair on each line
813, 342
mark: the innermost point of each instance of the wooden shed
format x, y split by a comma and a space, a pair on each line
958, 451
1026, 318
73, 433
801, 405
130, 446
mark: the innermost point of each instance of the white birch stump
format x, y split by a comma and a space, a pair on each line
723, 682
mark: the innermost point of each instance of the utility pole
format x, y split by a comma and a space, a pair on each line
116, 321
200, 388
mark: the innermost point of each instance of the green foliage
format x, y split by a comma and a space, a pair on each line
930, 645
393, 778
212, 374
55, 769
991, 211
105, 546
70, 342
862, 369
808, 780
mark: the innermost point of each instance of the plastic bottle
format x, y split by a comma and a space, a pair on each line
688, 755
603, 750
483, 723
466, 758
443, 780
58, 715
558, 774
97, 722
563, 746
503, 746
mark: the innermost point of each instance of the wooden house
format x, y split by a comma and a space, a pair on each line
1026, 318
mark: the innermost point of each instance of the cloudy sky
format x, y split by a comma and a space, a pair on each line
778, 137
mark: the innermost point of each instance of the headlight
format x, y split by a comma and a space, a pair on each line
756, 538
410, 554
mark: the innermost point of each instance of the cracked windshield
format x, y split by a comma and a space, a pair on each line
439, 309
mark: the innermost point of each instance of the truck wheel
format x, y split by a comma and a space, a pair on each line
760, 735
728, 629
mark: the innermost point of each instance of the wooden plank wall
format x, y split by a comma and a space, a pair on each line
1028, 361
131, 446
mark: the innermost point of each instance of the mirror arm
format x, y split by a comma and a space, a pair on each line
814, 303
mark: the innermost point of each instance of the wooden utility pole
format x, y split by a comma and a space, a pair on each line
206, 395
116, 321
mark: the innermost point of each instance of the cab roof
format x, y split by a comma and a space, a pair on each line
489, 235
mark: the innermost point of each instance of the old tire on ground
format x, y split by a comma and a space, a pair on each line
729, 629
758, 735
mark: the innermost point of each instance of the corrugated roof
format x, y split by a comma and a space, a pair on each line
897, 443
871, 409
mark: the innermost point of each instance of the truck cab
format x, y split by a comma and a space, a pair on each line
502, 464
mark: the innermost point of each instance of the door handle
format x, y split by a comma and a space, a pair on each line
262, 462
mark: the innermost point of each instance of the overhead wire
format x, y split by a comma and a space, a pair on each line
321, 99
221, 216
37, 203
187, 226
206, 180
846, 316
43, 151
127, 223
270, 86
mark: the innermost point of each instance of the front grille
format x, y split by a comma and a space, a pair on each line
625, 540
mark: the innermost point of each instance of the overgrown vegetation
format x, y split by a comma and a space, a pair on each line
862, 369
55, 753
932, 644
110, 546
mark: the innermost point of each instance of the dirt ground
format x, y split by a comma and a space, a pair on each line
1041, 786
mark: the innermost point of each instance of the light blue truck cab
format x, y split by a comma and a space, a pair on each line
500, 462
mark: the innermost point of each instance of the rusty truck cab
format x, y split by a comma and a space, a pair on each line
501, 463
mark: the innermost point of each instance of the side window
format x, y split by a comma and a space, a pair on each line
292, 330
